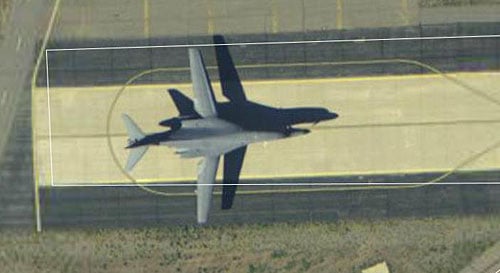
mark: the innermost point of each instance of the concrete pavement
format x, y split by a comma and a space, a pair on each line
18, 50
119, 19
398, 124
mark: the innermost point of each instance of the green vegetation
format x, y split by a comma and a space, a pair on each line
408, 245
445, 3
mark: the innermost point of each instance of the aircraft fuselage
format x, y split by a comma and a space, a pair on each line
210, 137
261, 118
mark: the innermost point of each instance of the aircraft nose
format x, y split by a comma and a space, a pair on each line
333, 115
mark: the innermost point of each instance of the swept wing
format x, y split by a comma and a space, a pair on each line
204, 100
207, 169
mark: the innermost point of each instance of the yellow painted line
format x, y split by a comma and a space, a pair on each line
146, 18
210, 18
33, 113
274, 17
83, 20
284, 176
299, 81
405, 12
363, 78
436, 72
340, 14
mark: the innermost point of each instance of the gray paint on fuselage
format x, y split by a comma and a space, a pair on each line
211, 137
203, 128
258, 117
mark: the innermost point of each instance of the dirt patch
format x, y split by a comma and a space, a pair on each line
407, 245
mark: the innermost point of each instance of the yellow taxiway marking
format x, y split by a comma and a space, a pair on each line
283, 176
274, 17
405, 14
147, 20
210, 17
340, 14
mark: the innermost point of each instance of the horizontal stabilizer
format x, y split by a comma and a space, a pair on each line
134, 132
134, 156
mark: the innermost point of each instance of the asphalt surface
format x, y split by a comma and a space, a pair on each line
116, 66
16, 170
121, 19
18, 39
132, 207
18, 50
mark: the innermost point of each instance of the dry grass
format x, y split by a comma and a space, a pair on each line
4, 11
408, 245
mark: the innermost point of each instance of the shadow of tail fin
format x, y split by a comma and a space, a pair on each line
184, 105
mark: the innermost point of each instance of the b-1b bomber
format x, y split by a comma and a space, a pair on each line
208, 129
